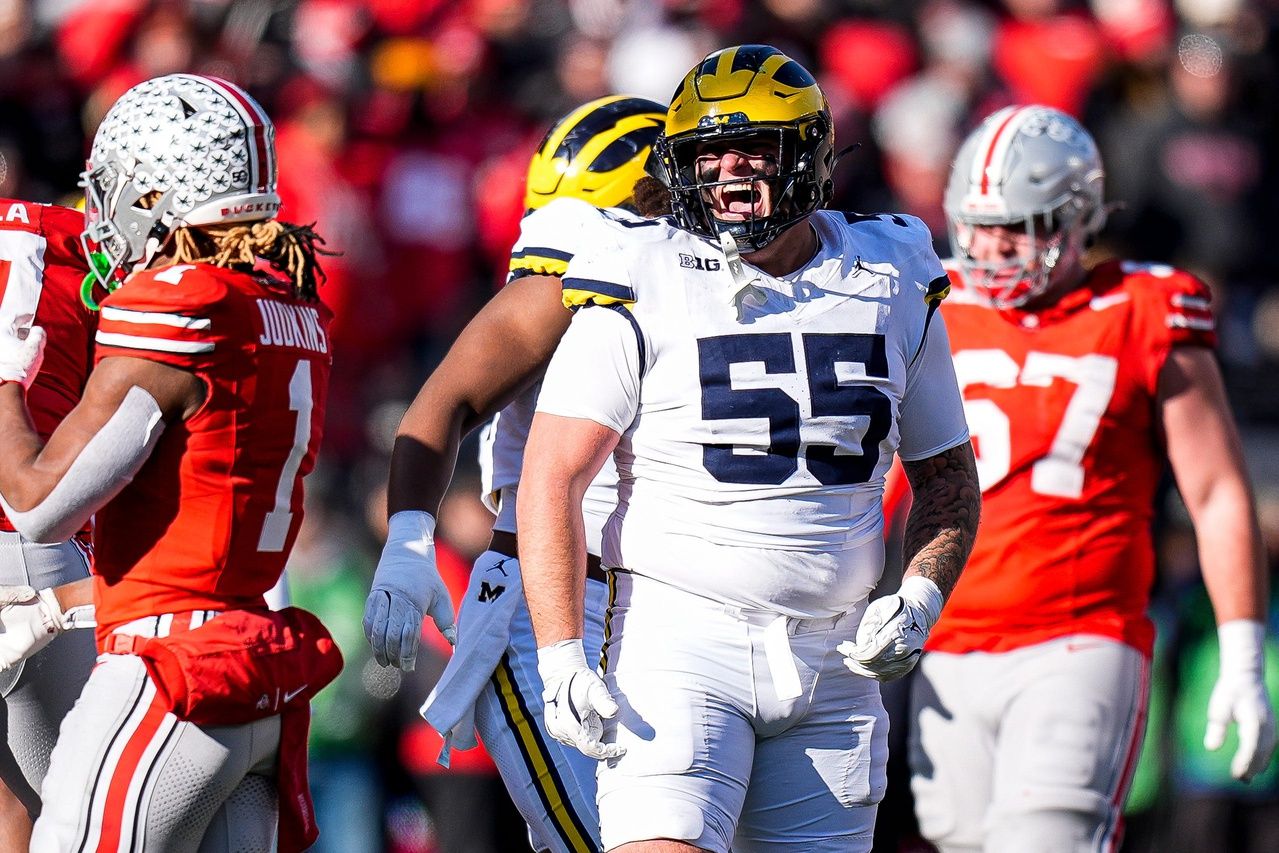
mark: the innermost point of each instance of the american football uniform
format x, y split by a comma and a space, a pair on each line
40, 272
205, 526
1062, 405
757, 421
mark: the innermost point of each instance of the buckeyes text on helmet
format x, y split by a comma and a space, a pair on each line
1036, 171
749, 93
596, 153
174, 151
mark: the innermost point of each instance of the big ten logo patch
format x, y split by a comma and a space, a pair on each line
692, 262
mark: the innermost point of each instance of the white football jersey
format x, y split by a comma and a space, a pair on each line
549, 237
757, 423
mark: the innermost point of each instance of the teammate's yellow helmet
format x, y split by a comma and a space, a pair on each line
595, 153
750, 91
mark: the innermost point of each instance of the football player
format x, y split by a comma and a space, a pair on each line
592, 158
1030, 705
752, 365
41, 268
198, 421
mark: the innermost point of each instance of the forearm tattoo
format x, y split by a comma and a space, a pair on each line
943, 516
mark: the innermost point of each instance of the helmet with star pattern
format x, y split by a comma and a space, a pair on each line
174, 151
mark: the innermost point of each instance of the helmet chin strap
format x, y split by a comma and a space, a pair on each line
746, 292
156, 238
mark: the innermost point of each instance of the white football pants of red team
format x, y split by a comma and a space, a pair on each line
125, 770
1028, 750
36, 694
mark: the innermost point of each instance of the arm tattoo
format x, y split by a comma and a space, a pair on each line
943, 516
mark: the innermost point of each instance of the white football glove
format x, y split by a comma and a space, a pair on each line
406, 587
891, 635
29, 620
1240, 695
21, 355
576, 700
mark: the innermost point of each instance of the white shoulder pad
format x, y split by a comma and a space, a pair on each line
600, 275
901, 240
894, 228
550, 236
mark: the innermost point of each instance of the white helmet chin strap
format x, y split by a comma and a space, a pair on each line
746, 292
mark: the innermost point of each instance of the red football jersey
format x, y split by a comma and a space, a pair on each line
210, 518
1062, 409
41, 267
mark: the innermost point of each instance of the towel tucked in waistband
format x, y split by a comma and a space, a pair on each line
483, 633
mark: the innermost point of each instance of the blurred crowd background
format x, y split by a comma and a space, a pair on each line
404, 129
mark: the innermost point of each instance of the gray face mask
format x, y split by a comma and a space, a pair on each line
1053, 243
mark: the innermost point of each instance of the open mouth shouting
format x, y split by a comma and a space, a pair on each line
742, 200
738, 178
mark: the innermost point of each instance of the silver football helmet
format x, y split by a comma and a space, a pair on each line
1032, 170
173, 151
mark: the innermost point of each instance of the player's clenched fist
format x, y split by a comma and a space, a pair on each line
577, 700
406, 587
20, 357
891, 635
30, 619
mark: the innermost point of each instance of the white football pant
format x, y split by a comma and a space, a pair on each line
1031, 750
551, 784
127, 775
742, 728
38, 693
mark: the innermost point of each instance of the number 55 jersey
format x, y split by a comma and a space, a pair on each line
1063, 410
209, 520
757, 419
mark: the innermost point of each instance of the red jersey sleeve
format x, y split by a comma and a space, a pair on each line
61, 227
181, 316
40, 272
35, 241
1173, 309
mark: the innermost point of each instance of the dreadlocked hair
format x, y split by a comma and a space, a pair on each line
289, 249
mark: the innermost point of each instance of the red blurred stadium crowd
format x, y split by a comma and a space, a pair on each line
404, 129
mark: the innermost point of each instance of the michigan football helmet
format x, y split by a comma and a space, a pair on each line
749, 93
595, 153
1032, 170
174, 151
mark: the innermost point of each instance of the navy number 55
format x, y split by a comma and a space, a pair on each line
828, 396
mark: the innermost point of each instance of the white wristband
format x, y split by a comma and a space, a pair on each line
81, 616
563, 656
412, 527
1242, 646
924, 593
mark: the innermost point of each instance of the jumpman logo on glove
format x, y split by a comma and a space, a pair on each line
577, 700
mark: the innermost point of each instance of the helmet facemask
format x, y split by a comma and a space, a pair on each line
124, 228
791, 178
1050, 242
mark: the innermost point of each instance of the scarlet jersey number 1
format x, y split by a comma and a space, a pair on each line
275, 528
1060, 473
